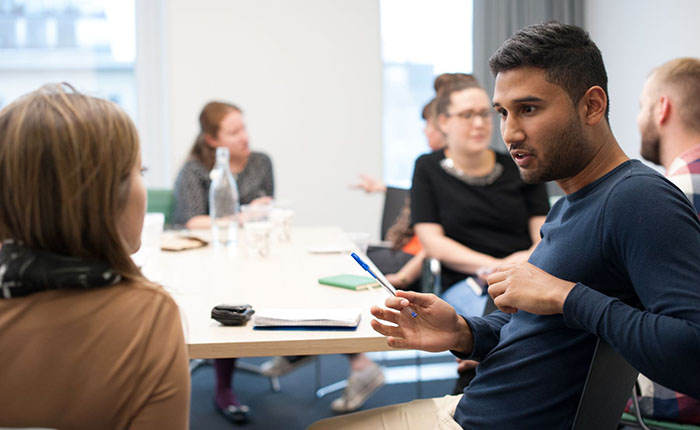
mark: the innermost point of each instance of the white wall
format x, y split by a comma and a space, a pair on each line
634, 37
307, 74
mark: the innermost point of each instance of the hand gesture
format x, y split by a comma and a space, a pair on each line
527, 287
436, 327
369, 184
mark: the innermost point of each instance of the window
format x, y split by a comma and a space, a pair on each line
87, 43
420, 40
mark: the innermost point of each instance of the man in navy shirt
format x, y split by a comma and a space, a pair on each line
619, 260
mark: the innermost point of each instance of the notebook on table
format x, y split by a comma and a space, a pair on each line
307, 319
351, 282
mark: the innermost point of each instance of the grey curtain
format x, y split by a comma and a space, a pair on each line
496, 20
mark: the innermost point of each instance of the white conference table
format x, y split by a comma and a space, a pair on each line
201, 278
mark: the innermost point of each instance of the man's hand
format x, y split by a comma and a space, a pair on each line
465, 365
524, 286
437, 327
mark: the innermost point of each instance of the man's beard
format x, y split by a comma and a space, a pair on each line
651, 143
562, 156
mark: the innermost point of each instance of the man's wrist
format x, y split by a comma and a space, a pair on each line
563, 293
465, 342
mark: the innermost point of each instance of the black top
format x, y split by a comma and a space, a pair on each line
491, 219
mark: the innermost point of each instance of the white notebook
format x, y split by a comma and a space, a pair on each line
315, 318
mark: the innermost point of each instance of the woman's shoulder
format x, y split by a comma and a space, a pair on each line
140, 296
192, 169
259, 158
431, 158
193, 165
119, 308
146, 289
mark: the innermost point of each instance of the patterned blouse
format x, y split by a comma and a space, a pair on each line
192, 186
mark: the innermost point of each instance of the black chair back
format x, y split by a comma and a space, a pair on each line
608, 386
394, 200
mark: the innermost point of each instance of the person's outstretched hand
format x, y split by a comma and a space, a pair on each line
369, 184
436, 327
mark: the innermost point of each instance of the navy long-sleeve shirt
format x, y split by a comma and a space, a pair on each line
631, 241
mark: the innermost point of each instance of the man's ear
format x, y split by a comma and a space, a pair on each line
594, 103
664, 112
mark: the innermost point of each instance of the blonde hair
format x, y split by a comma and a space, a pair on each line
683, 76
65, 166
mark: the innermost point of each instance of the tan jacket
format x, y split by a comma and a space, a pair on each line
106, 358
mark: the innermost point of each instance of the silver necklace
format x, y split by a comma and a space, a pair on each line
448, 165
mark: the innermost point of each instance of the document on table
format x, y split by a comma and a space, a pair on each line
315, 318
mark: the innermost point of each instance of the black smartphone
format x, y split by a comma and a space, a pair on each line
233, 308
232, 314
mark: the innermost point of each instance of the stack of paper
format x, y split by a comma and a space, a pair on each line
315, 318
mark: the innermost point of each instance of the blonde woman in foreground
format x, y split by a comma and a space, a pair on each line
87, 342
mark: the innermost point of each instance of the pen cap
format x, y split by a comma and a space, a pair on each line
360, 262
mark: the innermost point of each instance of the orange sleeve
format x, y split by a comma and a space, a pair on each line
413, 246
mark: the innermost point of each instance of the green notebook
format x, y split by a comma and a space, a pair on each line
351, 282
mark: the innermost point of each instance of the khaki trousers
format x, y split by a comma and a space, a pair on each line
420, 414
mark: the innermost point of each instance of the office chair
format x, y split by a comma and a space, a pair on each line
605, 393
430, 276
655, 424
394, 200
644, 423
163, 201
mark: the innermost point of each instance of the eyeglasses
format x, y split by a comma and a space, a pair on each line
470, 115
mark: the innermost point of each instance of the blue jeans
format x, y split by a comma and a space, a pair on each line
464, 300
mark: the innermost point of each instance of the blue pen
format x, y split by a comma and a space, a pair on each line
386, 284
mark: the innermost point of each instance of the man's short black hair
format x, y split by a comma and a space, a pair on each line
566, 52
